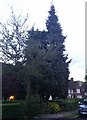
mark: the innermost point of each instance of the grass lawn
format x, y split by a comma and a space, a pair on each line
11, 110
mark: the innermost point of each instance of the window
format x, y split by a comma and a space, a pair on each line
78, 90
71, 91
68, 90
79, 96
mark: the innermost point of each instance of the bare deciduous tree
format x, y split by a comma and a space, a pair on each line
13, 35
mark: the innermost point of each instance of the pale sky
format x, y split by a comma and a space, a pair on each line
71, 14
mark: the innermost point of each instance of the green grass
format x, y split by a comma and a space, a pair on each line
6, 104
10, 101
11, 110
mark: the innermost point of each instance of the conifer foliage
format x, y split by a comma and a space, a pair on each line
46, 61
58, 62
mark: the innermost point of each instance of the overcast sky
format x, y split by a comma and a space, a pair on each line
71, 14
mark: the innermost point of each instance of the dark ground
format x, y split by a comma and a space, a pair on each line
79, 118
62, 119
82, 118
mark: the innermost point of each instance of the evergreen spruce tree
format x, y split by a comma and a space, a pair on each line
58, 60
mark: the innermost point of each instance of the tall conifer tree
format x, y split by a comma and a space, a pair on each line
46, 63
58, 61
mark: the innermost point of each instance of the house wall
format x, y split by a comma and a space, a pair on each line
76, 89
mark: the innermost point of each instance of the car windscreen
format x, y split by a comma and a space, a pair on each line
84, 102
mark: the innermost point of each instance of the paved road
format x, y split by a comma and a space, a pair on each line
61, 119
58, 115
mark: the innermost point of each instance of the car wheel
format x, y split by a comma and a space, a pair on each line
80, 115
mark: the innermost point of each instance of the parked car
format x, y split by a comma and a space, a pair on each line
82, 110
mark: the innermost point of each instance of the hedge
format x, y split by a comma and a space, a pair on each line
67, 104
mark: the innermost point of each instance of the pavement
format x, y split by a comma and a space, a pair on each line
54, 116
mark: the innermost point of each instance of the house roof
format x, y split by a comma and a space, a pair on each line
75, 84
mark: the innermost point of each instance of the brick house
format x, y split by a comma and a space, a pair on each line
76, 89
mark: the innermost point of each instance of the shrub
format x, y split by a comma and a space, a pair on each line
45, 108
32, 106
67, 104
54, 107
70, 104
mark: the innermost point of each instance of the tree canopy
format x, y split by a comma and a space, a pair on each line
40, 62
46, 59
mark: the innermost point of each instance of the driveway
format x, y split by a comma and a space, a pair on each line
59, 116
55, 116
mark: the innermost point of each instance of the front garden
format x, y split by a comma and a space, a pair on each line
35, 106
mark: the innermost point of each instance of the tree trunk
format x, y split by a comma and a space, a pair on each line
28, 89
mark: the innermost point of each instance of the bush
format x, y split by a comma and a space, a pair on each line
32, 106
45, 109
54, 107
70, 104
67, 104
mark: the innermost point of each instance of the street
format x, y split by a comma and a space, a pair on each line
82, 118
61, 119
85, 118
